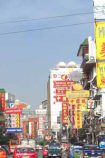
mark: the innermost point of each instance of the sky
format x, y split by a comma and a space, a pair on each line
34, 36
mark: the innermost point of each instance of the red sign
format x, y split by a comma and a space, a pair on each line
13, 111
2, 101
60, 92
64, 113
63, 84
61, 99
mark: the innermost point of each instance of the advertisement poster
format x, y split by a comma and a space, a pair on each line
100, 40
100, 69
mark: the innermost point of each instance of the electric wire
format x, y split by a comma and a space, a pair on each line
44, 28
46, 18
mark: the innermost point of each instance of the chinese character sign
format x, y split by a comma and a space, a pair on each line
100, 40
100, 69
64, 113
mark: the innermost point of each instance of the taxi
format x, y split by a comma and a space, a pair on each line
3, 153
45, 152
76, 151
24, 152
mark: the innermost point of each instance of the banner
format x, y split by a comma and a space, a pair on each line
100, 40
99, 9
100, 70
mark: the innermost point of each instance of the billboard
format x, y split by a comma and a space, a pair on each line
99, 9
100, 70
100, 40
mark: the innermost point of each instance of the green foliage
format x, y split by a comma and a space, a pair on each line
43, 142
4, 139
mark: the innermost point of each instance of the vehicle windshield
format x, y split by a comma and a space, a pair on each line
77, 148
93, 147
25, 150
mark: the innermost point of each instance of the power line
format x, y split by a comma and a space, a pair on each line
44, 28
46, 18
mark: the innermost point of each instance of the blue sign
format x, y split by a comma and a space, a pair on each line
102, 145
14, 130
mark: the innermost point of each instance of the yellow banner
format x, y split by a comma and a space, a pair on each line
100, 70
78, 120
100, 40
77, 94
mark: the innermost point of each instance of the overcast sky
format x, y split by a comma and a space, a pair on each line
28, 49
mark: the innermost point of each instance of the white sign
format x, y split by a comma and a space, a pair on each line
99, 9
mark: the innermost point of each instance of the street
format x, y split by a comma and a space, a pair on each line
40, 155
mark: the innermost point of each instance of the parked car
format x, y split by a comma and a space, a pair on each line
3, 153
92, 150
76, 151
45, 152
54, 150
24, 152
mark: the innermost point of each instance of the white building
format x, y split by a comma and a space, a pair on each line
57, 85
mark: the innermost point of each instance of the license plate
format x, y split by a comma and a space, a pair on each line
25, 156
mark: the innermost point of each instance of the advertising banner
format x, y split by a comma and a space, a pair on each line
78, 117
100, 40
100, 70
64, 113
99, 9
13, 120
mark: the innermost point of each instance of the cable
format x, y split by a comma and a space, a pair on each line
44, 28
45, 18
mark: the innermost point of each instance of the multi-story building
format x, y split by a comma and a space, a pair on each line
57, 85
87, 51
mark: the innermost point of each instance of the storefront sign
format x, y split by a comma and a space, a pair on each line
14, 130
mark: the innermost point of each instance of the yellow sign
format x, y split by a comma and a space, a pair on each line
100, 70
78, 117
100, 40
76, 101
77, 94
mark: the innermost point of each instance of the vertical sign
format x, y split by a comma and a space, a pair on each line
78, 116
100, 40
100, 69
64, 113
